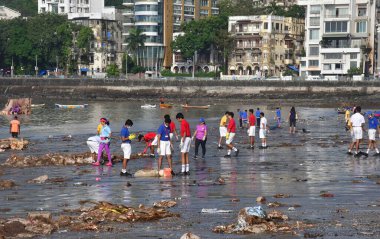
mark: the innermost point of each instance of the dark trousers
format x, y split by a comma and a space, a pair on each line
258, 123
241, 123
203, 144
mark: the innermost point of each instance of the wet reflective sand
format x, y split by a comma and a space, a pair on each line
302, 165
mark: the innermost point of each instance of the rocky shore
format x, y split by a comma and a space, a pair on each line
101, 89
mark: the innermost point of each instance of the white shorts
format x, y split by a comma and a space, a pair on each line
186, 145
165, 148
251, 131
231, 138
171, 135
263, 133
94, 146
154, 142
352, 135
222, 131
127, 150
358, 133
372, 134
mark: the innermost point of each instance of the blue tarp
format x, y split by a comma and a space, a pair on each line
293, 68
42, 72
84, 69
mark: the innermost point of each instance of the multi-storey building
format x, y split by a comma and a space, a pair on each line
265, 44
339, 36
285, 3
70, 6
105, 22
159, 20
8, 13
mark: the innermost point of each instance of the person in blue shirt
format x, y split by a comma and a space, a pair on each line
373, 126
126, 146
105, 137
244, 117
257, 115
240, 113
278, 117
163, 144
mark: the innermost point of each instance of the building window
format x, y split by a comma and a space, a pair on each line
353, 64
333, 56
204, 3
314, 34
336, 26
361, 27
313, 50
354, 55
362, 11
313, 63
315, 21
265, 25
315, 9
338, 66
326, 67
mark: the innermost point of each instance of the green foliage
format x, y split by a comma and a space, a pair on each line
84, 37
116, 3
131, 64
112, 70
134, 41
288, 72
137, 69
27, 8
355, 71
47, 36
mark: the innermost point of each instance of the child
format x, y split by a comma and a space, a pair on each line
373, 126
185, 143
126, 146
263, 131
231, 130
150, 141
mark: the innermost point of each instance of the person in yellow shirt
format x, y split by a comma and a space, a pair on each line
14, 127
98, 129
222, 129
347, 115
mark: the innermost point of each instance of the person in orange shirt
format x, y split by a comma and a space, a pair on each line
14, 127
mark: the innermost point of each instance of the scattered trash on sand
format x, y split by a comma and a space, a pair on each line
278, 204
189, 235
281, 195
96, 218
326, 194
164, 204
256, 220
235, 200
215, 211
39, 180
15, 144
6, 184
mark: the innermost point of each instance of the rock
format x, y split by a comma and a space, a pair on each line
277, 215
164, 204
146, 173
6, 184
261, 199
12, 229
189, 235
42, 216
327, 195
281, 195
17, 144
40, 179
235, 200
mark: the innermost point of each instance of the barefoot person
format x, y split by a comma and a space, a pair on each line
14, 127
105, 137
163, 144
231, 130
185, 143
251, 129
373, 127
222, 129
263, 131
200, 136
150, 141
292, 120
357, 123
126, 146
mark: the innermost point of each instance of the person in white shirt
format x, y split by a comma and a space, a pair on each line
263, 131
357, 124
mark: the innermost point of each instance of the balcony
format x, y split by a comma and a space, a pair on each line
346, 16
248, 46
128, 2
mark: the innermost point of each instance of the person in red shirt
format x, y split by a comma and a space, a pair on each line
231, 130
252, 128
150, 141
185, 143
173, 131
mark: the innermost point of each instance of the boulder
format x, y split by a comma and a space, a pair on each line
40, 179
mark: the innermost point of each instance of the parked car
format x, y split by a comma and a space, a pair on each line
314, 78
273, 78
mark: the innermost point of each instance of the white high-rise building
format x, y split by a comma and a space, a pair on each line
339, 35
70, 6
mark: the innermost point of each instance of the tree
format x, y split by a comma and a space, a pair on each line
112, 70
355, 71
135, 40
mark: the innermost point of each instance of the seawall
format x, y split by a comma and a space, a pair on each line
99, 89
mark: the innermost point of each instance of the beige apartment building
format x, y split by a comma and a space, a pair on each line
265, 45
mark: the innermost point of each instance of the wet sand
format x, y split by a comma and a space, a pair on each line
303, 165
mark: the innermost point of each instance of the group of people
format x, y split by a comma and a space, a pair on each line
355, 125
163, 139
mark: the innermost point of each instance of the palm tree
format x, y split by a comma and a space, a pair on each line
134, 41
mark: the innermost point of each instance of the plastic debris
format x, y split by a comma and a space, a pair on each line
164, 204
189, 235
149, 173
6, 184
40, 179
215, 211
257, 211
